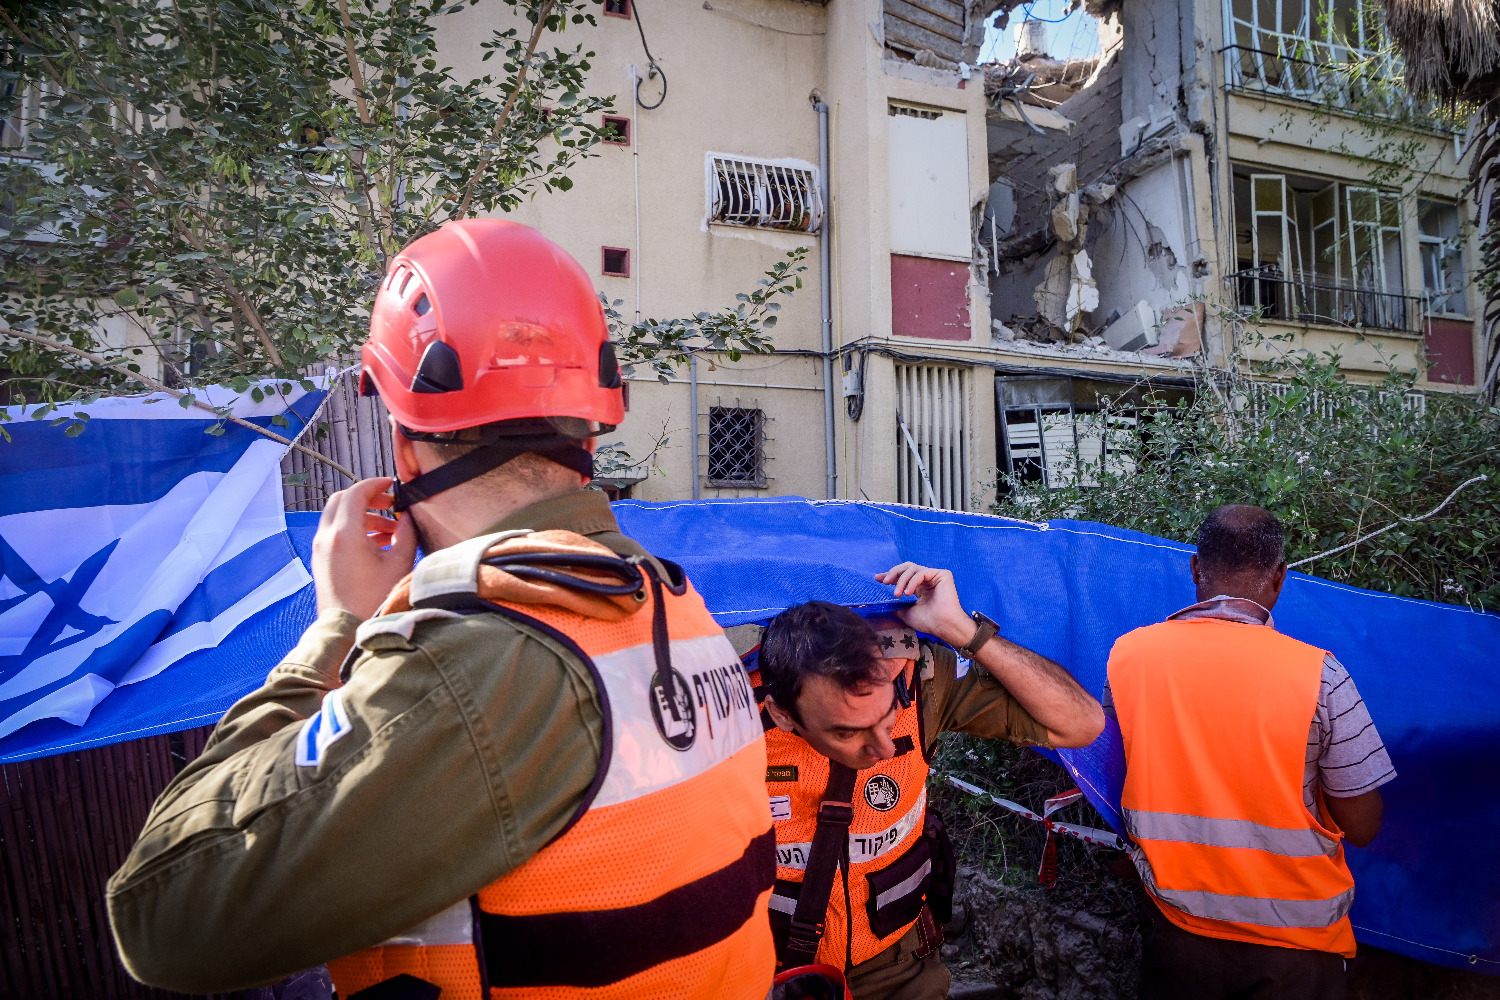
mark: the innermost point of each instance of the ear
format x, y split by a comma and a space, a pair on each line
780, 716
408, 467
1278, 578
1193, 565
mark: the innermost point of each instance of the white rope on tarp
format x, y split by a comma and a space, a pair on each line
1394, 524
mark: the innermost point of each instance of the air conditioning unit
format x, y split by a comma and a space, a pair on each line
1134, 331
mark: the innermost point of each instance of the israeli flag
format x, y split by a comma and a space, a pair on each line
131, 545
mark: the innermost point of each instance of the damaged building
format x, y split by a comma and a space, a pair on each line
1208, 191
993, 249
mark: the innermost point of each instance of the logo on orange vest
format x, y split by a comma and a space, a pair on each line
676, 719
882, 792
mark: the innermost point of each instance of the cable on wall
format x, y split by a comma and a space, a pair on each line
652, 69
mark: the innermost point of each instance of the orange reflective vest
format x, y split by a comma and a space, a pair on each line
1214, 716
659, 887
879, 894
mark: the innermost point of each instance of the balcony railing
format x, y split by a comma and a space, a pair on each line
1320, 72
1274, 296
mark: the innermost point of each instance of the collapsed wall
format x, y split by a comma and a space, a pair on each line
1090, 233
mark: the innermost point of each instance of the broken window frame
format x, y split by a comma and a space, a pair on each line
1444, 283
757, 193
1091, 414
1356, 229
1294, 59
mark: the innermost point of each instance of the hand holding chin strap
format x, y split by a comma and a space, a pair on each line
492, 455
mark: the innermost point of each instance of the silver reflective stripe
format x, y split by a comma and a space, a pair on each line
455, 925
905, 887
1255, 910
1245, 909
1185, 829
783, 904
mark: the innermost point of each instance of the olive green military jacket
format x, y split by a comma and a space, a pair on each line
470, 743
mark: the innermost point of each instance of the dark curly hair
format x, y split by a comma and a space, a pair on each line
816, 638
1238, 538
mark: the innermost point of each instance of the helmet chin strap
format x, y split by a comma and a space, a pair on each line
473, 464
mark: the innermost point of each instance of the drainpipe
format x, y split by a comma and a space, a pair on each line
825, 270
693, 418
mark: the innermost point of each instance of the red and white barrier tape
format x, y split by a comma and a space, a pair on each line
1088, 834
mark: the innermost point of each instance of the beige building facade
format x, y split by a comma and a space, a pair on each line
992, 250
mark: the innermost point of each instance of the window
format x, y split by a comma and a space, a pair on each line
764, 194
1318, 251
617, 130
1295, 48
736, 439
928, 181
616, 262
617, 8
932, 436
22, 114
1440, 230
1066, 431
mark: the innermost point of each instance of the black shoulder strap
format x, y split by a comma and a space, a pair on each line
830, 846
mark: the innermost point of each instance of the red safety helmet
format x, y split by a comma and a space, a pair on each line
488, 320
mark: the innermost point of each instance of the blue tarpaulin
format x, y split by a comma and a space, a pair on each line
1428, 887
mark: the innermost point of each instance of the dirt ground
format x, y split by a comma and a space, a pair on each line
1082, 942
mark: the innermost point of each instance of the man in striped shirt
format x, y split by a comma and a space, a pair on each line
1240, 872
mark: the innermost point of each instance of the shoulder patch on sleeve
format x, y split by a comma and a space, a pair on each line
927, 661
401, 624
327, 726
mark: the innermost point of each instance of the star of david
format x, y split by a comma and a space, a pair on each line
67, 623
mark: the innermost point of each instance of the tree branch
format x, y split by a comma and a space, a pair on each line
510, 103
238, 297
151, 383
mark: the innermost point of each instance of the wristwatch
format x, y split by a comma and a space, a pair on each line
985, 630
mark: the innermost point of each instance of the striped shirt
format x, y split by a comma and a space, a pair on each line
1345, 754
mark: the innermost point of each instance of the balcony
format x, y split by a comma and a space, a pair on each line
1273, 296
1328, 74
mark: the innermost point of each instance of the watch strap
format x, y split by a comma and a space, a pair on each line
984, 631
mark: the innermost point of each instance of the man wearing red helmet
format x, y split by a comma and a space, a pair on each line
488, 777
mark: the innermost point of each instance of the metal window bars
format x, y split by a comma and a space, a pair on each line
1252, 400
764, 194
736, 452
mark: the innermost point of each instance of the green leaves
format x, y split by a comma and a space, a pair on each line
665, 344
1332, 459
213, 167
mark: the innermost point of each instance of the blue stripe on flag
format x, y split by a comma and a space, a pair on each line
227, 585
109, 661
120, 461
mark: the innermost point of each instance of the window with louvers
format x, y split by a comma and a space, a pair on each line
764, 194
736, 456
932, 432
